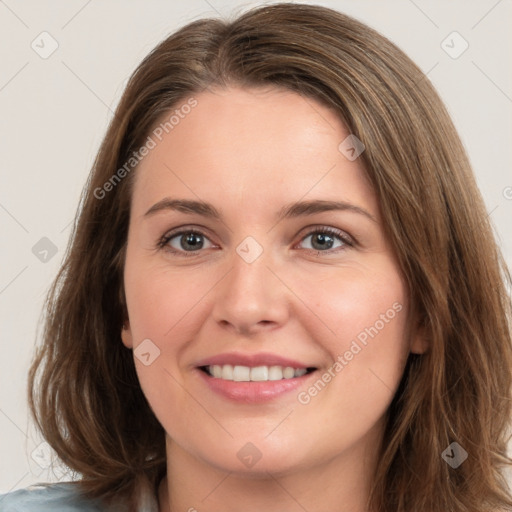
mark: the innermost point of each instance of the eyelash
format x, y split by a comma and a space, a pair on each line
343, 237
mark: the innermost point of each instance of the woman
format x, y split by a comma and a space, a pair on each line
282, 291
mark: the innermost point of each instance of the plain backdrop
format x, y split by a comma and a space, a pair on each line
54, 110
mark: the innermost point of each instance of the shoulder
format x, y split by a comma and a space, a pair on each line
61, 497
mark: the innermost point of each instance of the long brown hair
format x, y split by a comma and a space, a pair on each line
83, 389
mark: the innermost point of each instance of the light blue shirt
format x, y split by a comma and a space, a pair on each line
65, 497
61, 497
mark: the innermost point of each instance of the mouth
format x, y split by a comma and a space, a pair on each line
253, 378
240, 373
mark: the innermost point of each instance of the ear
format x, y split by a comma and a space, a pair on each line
126, 335
419, 340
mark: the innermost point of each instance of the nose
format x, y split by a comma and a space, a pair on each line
251, 298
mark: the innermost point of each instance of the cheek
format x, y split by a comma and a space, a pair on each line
348, 299
360, 320
367, 312
160, 306
158, 299
165, 307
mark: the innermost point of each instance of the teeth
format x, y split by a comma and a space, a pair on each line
226, 372
275, 373
241, 374
257, 373
288, 373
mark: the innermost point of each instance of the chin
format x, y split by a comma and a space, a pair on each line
254, 459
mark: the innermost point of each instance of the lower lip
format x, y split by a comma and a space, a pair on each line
253, 391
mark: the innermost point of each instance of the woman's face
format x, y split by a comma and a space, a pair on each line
255, 245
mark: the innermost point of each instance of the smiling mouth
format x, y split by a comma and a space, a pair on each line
239, 373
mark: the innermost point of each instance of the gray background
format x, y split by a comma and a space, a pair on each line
54, 112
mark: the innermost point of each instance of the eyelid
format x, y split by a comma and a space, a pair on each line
322, 228
347, 239
162, 243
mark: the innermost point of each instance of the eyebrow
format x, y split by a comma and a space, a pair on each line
287, 212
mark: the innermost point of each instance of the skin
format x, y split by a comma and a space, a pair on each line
249, 152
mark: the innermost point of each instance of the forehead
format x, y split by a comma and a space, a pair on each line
258, 145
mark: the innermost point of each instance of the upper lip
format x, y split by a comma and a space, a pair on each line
251, 360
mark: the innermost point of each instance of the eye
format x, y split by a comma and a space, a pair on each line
323, 239
188, 241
